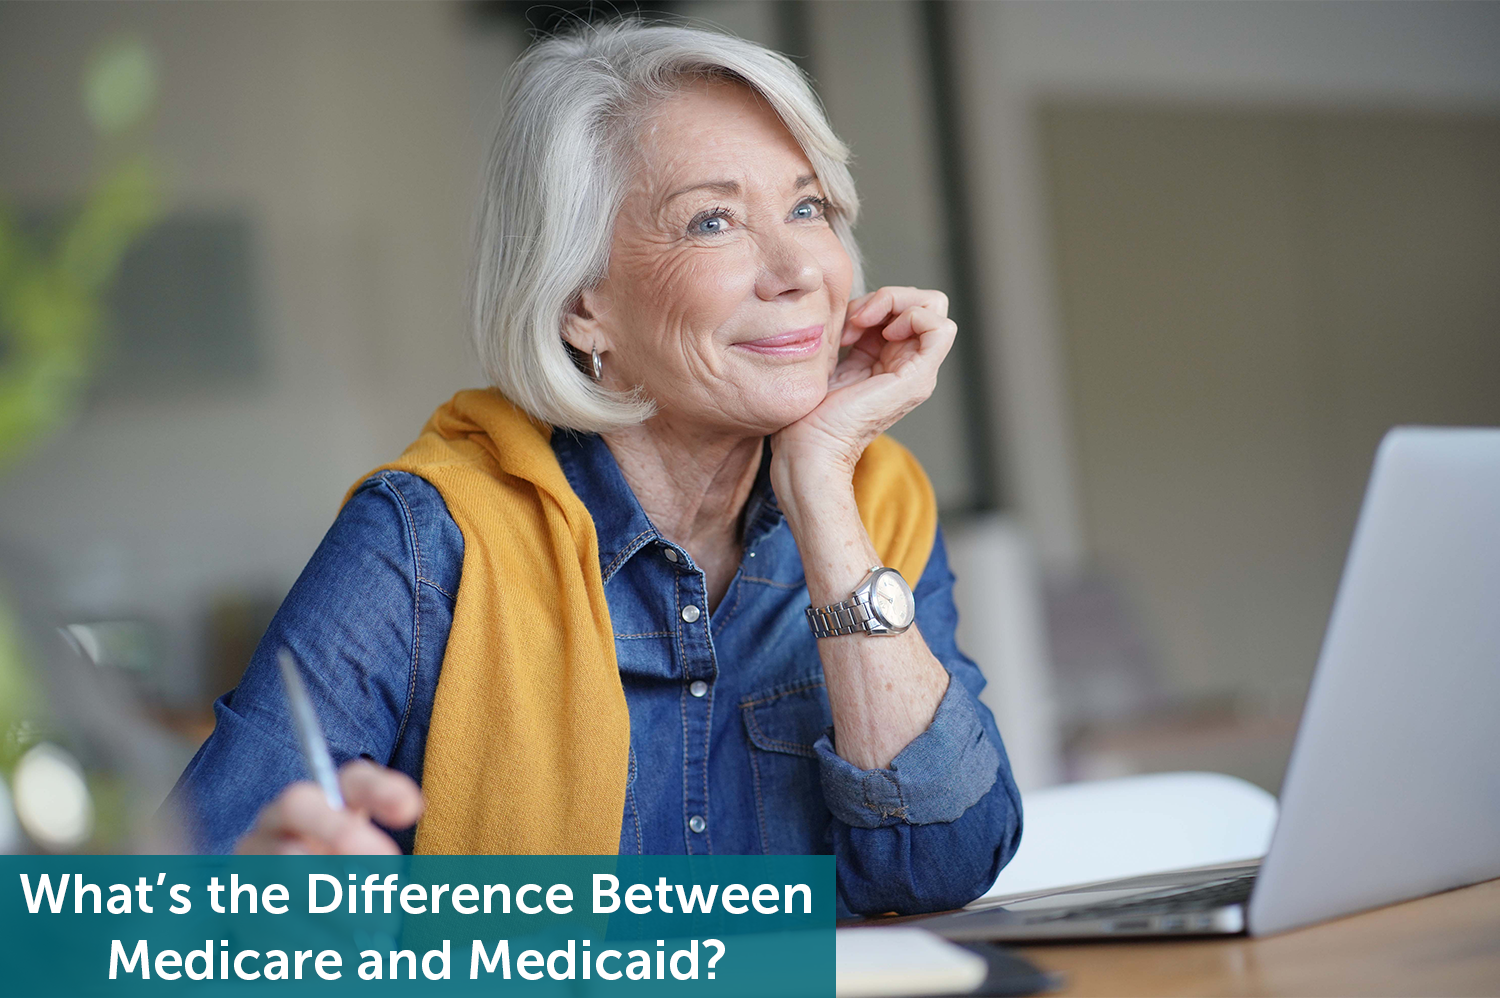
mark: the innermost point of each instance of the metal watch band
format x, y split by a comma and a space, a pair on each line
848, 617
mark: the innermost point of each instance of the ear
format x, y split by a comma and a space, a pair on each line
581, 327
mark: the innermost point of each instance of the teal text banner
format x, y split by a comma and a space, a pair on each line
554, 925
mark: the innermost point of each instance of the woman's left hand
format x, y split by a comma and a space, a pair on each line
899, 338
882, 693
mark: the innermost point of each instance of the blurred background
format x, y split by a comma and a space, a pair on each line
1203, 255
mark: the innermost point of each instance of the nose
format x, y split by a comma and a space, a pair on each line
789, 269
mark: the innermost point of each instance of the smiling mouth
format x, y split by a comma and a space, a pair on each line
794, 343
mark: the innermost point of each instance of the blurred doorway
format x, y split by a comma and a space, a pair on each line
1249, 299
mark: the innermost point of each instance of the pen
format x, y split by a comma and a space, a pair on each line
309, 733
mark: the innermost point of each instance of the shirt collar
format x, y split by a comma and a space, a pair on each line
622, 526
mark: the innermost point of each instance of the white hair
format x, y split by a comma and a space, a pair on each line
558, 172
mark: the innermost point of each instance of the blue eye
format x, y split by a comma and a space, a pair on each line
817, 208
720, 216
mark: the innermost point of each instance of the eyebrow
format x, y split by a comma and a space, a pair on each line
729, 187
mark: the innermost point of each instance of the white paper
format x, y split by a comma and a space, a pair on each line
892, 961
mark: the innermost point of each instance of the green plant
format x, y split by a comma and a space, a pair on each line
53, 291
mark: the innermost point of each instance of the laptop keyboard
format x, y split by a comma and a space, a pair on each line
1215, 894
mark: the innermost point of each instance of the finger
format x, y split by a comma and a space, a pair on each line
390, 796
865, 314
893, 300
273, 834
879, 305
874, 404
933, 345
904, 325
852, 332
916, 322
257, 844
855, 304
922, 354
864, 340
855, 367
937, 341
302, 812
358, 836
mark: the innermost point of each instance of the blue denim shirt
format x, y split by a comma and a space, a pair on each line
731, 746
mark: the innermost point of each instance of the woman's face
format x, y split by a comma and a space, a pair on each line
727, 286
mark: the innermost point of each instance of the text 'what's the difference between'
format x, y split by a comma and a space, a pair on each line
382, 894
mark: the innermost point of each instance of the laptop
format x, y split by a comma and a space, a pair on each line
1393, 789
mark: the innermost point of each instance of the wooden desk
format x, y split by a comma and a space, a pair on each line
1446, 944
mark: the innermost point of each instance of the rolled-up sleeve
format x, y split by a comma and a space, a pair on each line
940, 774
934, 829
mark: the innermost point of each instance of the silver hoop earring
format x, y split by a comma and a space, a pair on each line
598, 365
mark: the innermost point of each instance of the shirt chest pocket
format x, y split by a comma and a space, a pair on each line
782, 725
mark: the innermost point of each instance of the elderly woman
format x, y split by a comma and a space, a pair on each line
648, 593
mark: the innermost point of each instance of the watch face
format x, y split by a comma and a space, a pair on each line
893, 599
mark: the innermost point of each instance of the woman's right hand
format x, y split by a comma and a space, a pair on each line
300, 820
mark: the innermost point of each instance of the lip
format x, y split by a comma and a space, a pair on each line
793, 343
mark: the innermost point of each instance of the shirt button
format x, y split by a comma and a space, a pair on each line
671, 555
691, 613
698, 688
697, 824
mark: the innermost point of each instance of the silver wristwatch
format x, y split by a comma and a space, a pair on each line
881, 604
